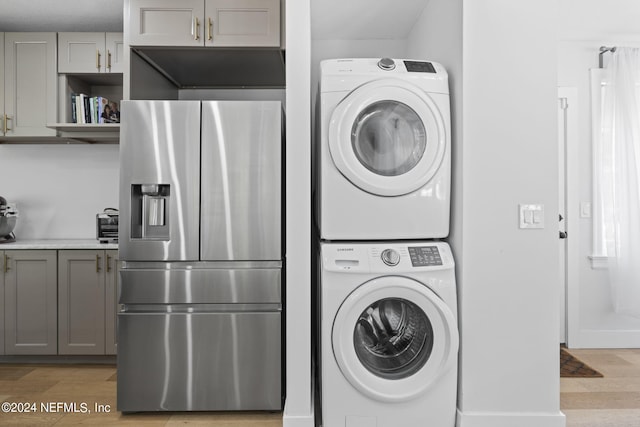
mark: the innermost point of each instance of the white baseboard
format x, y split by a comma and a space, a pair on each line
509, 419
298, 419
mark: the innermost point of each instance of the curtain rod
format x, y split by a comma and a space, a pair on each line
603, 50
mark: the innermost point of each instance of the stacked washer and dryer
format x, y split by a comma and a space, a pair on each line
387, 306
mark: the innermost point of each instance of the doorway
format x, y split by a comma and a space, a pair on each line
567, 209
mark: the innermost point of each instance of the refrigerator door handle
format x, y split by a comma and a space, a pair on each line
197, 308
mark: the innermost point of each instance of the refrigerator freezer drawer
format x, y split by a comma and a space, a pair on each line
202, 286
199, 361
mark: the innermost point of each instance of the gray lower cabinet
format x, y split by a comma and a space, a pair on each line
87, 286
30, 302
2, 259
111, 302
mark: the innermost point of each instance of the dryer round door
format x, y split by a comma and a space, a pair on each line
393, 338
387, 137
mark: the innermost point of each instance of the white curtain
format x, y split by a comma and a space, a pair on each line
617, 161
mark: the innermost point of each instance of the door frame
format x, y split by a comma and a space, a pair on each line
570, 292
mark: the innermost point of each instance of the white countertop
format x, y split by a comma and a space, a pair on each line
57, 244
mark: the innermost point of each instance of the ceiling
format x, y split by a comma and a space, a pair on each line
61, 15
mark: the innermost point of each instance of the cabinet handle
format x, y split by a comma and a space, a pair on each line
196, 35
98, 59
6, 127
6, 263
210, 29
109, 60
97, 263
108, 263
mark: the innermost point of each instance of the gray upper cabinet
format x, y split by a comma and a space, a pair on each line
90, 52
30, 91
228, 23
30, 302
3, 115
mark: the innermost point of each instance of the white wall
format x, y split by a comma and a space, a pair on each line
299, 409
508, 290
585, 26
59, 189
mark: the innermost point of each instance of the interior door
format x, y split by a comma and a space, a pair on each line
387, 137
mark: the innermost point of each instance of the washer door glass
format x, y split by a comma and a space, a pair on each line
393, 338
388, 138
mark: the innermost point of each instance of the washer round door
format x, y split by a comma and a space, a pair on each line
387, 137
393, 338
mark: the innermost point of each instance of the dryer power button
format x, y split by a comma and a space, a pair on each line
386, 64
390, 257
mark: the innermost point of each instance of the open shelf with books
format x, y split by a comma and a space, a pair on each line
88, 107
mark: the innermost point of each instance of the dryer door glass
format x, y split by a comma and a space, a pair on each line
388, 138
393, 338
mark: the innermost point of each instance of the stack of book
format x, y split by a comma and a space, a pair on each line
93, 109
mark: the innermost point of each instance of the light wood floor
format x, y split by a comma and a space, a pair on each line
612, 401
95, 385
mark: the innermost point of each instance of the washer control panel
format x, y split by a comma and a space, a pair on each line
424, 256
390, 257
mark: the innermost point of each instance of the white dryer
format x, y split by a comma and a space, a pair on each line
384, 150
388, 335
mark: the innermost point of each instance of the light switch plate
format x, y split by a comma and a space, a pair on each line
585, 209
531, 216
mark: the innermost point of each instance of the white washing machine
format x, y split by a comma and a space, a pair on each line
384, 150
388, 335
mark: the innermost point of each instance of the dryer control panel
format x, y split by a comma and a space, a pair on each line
424, 256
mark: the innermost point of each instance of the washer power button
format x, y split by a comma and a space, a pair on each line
390, 257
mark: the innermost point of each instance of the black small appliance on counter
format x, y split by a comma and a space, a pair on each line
8, 218
107, 226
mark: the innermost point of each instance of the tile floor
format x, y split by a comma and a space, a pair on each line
612, 401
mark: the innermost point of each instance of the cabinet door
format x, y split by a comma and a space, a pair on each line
30, 83
242, 23
2, 112
30, 302
2, 309
81, 53
166, 22
81, 297
111, 302
114, 43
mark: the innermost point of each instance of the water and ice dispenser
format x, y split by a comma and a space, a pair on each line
150, 211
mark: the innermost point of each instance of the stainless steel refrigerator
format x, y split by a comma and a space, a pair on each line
199, 324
